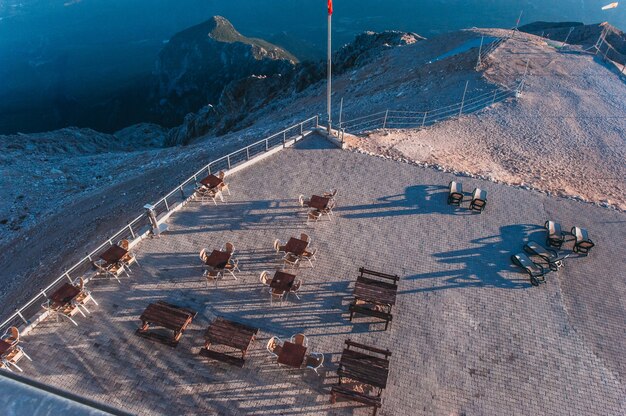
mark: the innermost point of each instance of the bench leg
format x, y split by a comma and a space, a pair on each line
351, 315
386, 324
333, 398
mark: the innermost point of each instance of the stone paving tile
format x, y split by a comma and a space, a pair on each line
469, 336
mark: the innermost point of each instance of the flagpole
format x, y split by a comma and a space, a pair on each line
328, 86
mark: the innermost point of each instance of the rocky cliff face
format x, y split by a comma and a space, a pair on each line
197, 63
242, 96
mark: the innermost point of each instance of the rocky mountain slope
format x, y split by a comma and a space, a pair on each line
581, 34
197, 63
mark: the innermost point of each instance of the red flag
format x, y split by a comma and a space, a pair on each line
330, 7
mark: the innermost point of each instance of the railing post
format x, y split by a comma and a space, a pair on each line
424, 119
284, 139
68, 276
301, 129
167, 206
21, 316
182, 192
132, 233
247, 153
267, 145
228, 160
494, 97
317, 121
463, 99
385, 120
89, 256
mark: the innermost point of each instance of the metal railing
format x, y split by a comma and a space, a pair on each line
418, 119
141, 224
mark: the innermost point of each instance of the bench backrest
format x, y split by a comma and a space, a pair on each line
364, 271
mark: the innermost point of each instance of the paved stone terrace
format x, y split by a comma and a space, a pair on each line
470, 335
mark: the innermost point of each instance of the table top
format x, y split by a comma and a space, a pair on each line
113, 254
4, 346
282, 281
233, 334
375, 291
296, 246
211, 181
65, 294
292, 354
167, 315
319, 202
218, 259
364, 368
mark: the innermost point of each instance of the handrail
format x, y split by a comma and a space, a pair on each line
129, 231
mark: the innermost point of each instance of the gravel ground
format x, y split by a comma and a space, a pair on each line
566, 135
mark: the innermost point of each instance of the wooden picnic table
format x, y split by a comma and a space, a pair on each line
5, 347
113, 254
375, 291
365, 368
282, 281
218, 259
64, 295
168, 316
292, 354
319, 202
211, 181
296, 246
230, 333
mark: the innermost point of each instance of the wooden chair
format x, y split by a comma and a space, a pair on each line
221, 174
14, 355
305, 237
313, 216
455, 193
582, 242
303, 201
292, 260
213, 274
265, 278
295, 288
274, 346
279, 246
331, 194
555, 237
67, 311
329, 209
228, 248
224, 187
310, 256
232, 266
314, 361
205, 194
276, 296
479, 200
535, 271
110, 270
129, 258
300, 339
84, 296
12, 336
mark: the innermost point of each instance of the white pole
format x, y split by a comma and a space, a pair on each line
463, 100
329, 82
480, 50
571, 29
340, 111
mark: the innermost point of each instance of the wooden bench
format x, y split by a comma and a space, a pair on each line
363, 310
338, 391
225, 358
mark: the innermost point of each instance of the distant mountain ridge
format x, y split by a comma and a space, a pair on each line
195, 66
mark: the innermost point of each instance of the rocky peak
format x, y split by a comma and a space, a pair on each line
197, 63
